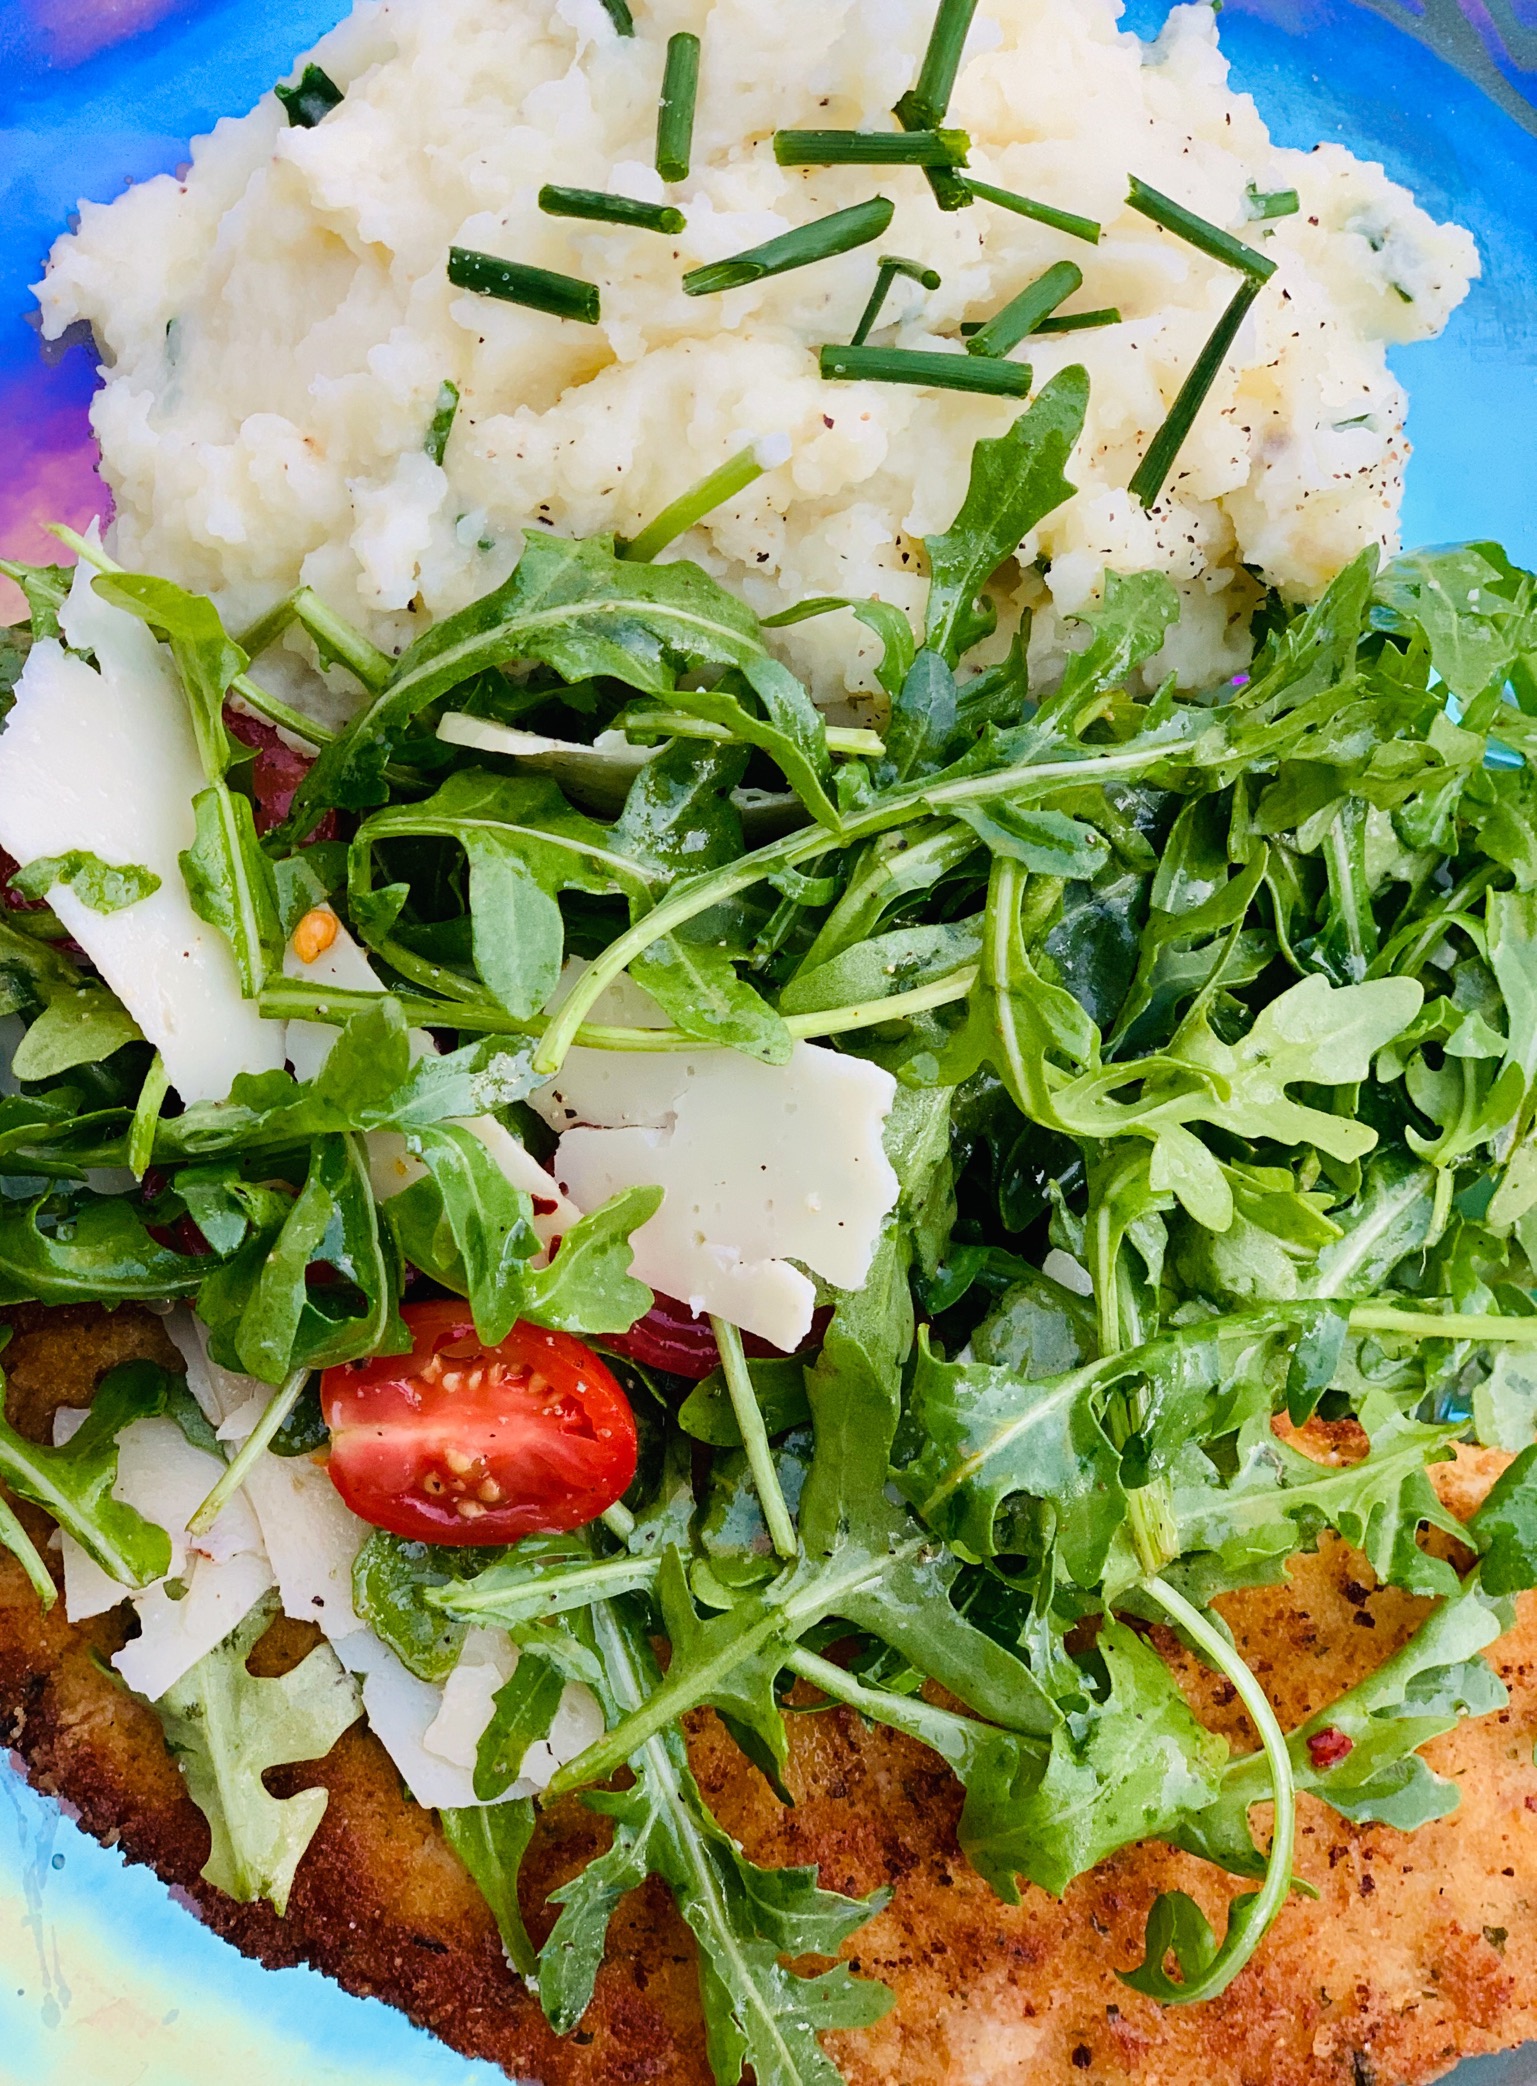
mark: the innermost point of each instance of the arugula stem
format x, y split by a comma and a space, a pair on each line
1251, 1917
14, 1537
272, 707
146, 1117
914, 1717
749, 1419
338, 640
767, 453
261, 635
618, 1520
687, 900
292, 999
677, 724
279, 1406
1444, 1325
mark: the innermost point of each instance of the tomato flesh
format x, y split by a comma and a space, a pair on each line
458, 1442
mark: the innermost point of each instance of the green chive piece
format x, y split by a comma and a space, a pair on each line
853, 365
604, 209
541, 289
675, 115
871, 148
316, 95
1080, 321
1024, 313
620, 15
924, 105
733, 477
891, 266
436, 444
1084, 228
1198, 232
1278, 202
819, 241
1153, 471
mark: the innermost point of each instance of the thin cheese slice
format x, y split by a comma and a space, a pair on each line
161, 1474
488, 1660
310, 1535
175, 1634
401, 1710
762, 1166
105, 761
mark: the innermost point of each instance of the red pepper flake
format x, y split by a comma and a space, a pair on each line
1327, 1748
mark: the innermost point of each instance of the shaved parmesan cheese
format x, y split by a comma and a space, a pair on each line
105, 761
175, 1634
401, 1710
763, 1165
487, 1662
310, 1535
161, 1474
215, 1579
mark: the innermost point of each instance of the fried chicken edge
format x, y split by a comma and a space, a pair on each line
1420, 1949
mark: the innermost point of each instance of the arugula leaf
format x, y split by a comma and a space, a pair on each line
46, 588
790, 731
491, 1840
1505, 1529
745, 1919
393, 1581
523, 1710
229, 882
695, 982
466, 1226
100, 885
74, 1483
225, 1729
1136, 614
1426, 1687
87, 1250
72, 1020
576, 607
588, 1287
1016, 481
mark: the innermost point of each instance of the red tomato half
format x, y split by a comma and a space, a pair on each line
460, 1443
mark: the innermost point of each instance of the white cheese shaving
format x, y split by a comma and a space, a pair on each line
763, 1165
214, 1580
105, 761
401, 1710
311, 1536
487, 1662
174, 1635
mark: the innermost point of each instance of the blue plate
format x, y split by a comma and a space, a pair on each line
103, 1978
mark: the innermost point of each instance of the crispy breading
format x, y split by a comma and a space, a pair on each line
1418, 1950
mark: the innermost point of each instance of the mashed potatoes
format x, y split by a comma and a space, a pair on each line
278, 325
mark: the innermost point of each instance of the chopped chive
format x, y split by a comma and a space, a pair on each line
891, 266
1024, 313
1085, 228
541, 289
620, 15
1198, 232
853, 365
436, 444
1080, 321
605, 209
1278, 202
1153, 471
924, 105
733, 477
871, 148
675, 115
819, 241
316, 95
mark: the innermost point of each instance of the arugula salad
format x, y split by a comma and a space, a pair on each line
688, 1206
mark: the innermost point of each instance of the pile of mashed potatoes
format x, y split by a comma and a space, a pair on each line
278, 324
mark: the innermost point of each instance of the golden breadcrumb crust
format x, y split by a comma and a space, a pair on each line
1419, 1949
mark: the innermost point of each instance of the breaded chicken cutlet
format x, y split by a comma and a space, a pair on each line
1419, 1949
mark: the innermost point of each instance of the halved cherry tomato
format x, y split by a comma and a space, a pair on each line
460, 1443
670, 1337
